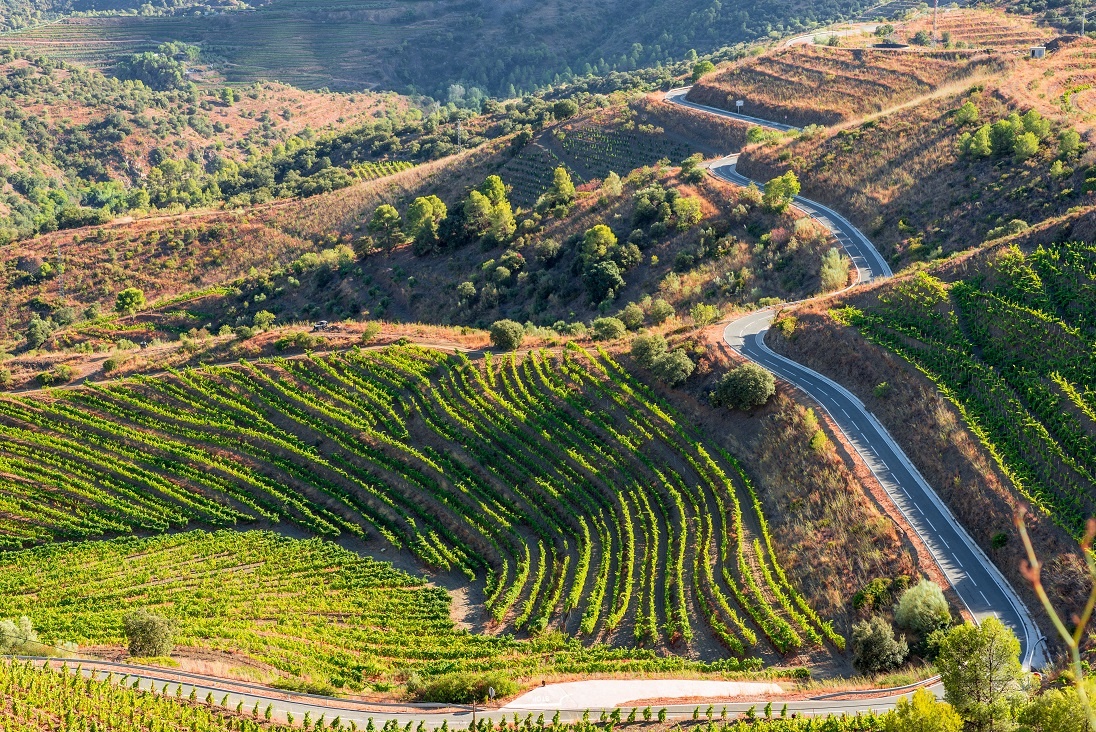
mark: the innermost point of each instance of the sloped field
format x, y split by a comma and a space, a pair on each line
560, 480
806, 85
1013, 348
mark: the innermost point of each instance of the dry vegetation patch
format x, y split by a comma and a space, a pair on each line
901, 177
804, 85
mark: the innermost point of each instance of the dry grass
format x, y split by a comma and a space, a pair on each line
988, 29
805, 85
900, 178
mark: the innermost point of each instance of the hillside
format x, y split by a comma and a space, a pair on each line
495, 49
816, 85
1005, 336
911, 180
579, 488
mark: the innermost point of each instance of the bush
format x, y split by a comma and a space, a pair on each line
263, 319
464, 688
646, 349
507, 335
631, 316
923, 609
670, 367
16, 634
673, 368
704, 314
371, 330
923, 712
608, 329
879, 592
660, 311
148, 635
967, 114
603, 280
59, 374
129, 301
875, 649
38, 331
564, 108
834, 272
744, 387
300, 339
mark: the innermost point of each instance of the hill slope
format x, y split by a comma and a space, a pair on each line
496, 47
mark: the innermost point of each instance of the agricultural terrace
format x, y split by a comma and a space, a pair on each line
805, 85
988, 29
341, 619
1013, 348
875, 172
617, 140
33, 698
1061, 84
561, 482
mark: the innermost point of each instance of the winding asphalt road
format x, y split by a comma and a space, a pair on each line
980, 585
432, 715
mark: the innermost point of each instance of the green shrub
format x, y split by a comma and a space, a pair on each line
834, 272
646, 349
16, 634
704, 314
507, 335
372, 330
660, 311
148, 634
464, 688
129, 301
608, 329
923, 609
631, 316
744, 387
875, 648
673, 367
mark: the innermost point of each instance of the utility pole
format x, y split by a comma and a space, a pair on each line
460, 130
935, 12
60, 272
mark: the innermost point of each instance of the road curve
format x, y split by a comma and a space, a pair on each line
980, 585
282, 702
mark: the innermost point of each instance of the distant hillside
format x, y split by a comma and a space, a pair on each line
22, 13
498, 48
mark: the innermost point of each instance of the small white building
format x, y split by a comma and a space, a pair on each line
1038, 51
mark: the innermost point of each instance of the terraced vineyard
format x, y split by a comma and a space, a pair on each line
579, 498
372, 171
983, 29
341, 619
600, 150
1014, 348
530, 173
819, 85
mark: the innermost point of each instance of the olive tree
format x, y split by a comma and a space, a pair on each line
923, 609
148, 635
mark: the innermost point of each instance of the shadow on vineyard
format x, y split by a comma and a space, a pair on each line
557, 479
